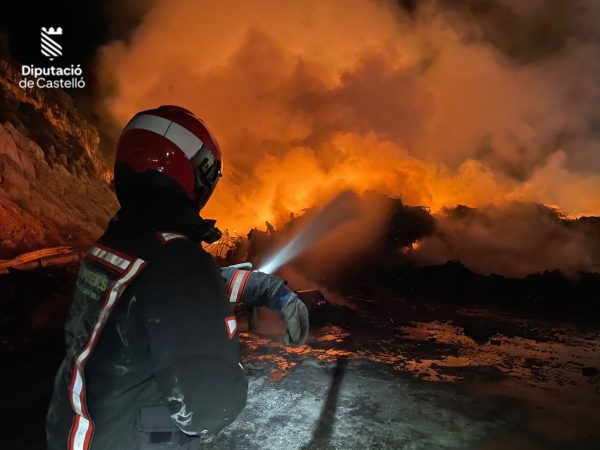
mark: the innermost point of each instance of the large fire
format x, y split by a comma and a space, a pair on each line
310, 98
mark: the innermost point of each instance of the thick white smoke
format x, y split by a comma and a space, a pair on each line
470, 102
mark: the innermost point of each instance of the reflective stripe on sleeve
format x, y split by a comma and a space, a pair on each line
231, 326
237, 285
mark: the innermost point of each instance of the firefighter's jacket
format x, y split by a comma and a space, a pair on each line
152, 357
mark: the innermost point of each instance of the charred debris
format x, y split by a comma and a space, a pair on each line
389, 271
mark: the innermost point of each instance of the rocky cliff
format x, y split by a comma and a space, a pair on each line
54, 184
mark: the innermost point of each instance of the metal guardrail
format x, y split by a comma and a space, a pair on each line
46, 257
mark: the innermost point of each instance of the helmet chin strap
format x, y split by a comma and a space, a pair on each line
202, 197
173, 214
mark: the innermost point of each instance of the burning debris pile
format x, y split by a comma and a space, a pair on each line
526, 255
399, 234
384, 223
54, 183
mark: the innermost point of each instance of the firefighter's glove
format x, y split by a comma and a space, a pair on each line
254, 288
294, 313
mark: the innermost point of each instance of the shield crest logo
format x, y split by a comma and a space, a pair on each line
50, 47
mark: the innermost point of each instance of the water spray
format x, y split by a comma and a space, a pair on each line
337, 211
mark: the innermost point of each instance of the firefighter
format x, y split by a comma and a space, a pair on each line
152, 357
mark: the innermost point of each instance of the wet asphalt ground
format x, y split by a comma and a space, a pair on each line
377, 372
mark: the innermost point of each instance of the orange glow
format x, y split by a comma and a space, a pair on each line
310, 98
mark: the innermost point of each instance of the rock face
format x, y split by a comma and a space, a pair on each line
54, 184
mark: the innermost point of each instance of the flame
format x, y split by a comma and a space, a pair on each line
311, 98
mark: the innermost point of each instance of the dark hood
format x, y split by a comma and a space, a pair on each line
163, 211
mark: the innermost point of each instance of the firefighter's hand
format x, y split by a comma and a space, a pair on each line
295, 315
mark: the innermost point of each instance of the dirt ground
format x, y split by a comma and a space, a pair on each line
377, 372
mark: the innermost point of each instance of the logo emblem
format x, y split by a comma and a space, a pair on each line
50, 48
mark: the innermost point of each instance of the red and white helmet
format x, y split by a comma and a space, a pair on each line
172, 141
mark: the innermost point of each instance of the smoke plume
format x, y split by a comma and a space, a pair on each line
513, 240
442, 103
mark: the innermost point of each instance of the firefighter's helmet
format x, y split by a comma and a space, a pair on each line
173, 149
